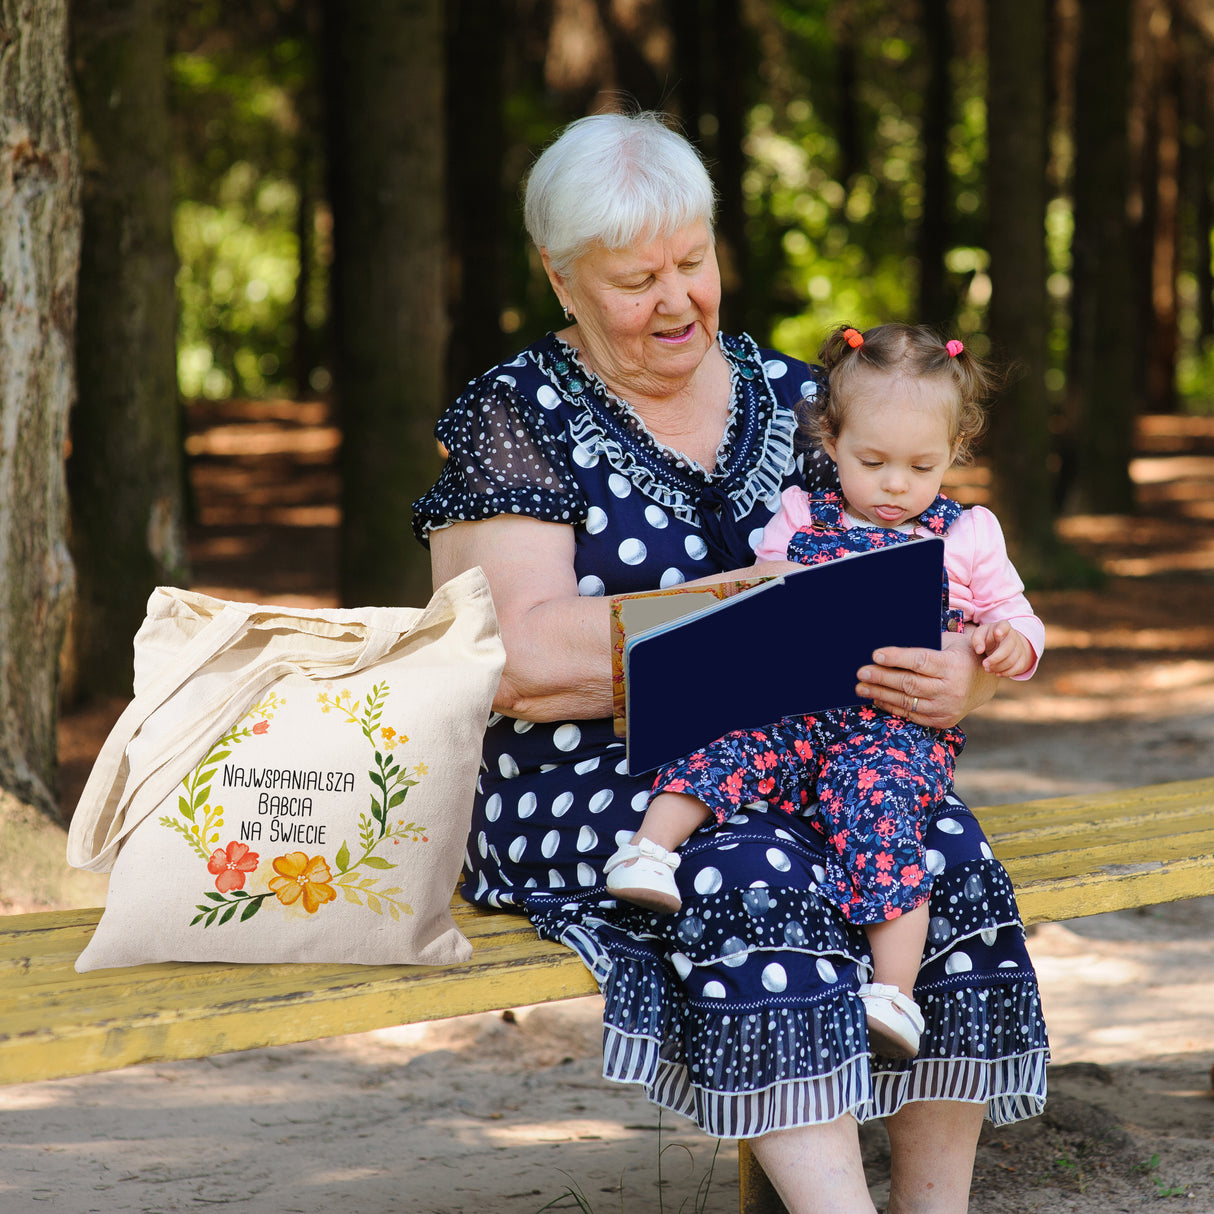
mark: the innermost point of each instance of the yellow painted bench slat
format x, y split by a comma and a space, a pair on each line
1082, 855
56, 1022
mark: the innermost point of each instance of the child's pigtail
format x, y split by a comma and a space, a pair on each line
842, 344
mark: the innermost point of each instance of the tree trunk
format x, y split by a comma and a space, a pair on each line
384, 86
1019, 442
937, 303
1163, 183
39, 258
1103, 351
476, 149
734, 68
125, 475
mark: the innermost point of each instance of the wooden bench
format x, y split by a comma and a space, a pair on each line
1067, 856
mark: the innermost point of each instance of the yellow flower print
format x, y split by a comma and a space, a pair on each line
421, 769
388, 733
301, 877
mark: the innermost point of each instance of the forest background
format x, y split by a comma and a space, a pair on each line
319, 200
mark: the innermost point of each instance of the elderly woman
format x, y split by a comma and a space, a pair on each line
638, 448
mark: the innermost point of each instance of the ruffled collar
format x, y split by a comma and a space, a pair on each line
756, 452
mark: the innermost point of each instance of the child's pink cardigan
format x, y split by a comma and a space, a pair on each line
982, 582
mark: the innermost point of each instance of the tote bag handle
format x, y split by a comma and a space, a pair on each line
116, 797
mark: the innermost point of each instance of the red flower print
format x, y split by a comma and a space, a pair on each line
804, 749
884, 861
912, 875
886, 827
732, 787
262, 727
766, 760
883, 878
866, 779
230, 865
766, 784
675, 785
866, 713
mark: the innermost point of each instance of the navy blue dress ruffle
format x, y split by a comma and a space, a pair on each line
740, 1011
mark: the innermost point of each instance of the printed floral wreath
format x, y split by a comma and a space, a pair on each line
298, 877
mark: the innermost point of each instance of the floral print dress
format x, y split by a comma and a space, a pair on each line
740, 1011
873, 776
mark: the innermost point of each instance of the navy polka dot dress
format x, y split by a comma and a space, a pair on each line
740, 1010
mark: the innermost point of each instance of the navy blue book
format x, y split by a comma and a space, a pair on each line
787, 646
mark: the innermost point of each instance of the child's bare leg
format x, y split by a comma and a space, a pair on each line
643, 871
672, 818
894, 1019
897, 948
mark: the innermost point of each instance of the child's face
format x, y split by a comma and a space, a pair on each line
893, 449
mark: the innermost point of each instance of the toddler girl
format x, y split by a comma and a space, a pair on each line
902, 406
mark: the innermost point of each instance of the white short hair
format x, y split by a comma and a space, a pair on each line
614, 179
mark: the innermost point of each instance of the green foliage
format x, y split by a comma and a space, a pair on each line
236, 286
1151, 1168
833, 226
833, 189
246, 174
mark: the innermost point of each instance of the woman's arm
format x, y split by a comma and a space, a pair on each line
558, 651
558, 643
932, 687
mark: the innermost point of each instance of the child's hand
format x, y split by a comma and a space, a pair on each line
1007, 652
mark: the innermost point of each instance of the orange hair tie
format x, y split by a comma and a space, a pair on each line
853, 338
954, 348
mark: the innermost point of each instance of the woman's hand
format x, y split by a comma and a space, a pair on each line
937, 688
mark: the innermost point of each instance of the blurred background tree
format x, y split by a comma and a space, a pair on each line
338, 187
849, 140
127, 531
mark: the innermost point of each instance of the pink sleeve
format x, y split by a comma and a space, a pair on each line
984, 583
792, 515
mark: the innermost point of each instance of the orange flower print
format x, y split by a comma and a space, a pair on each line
230, 865
262, 727
301, 877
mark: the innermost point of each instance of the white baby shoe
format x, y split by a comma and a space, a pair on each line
644, 873
894, 1021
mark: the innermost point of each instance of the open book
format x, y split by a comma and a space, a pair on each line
696, 662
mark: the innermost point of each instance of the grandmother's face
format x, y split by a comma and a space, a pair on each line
647, 315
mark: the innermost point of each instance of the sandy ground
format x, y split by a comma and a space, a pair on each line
504, 1114
508, 1114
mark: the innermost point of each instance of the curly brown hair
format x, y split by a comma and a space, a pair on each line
900, 349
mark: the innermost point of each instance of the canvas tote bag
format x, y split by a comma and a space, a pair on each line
291, 785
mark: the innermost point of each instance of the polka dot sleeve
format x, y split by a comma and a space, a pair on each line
502, 459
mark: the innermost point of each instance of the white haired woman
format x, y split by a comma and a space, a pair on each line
639, 448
